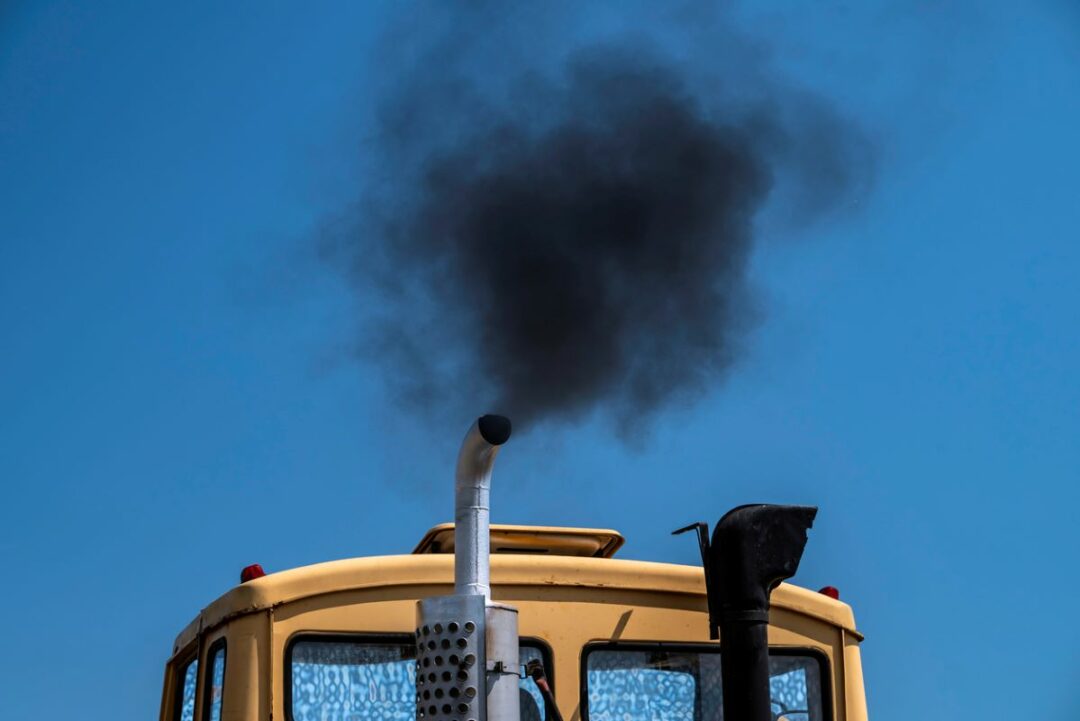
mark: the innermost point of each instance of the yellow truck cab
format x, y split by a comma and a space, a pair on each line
607, 639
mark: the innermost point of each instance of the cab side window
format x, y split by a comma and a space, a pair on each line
187, 678
214, 684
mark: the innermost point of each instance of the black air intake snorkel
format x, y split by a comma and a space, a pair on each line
753, 549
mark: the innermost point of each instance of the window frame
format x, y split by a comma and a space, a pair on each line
180, 666
208, 676
384, 639
825, 670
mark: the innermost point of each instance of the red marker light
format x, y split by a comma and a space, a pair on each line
251, 572
830, 591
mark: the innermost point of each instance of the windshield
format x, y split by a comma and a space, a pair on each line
359, 679
683, 684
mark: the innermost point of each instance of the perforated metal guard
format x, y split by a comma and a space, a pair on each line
450, 659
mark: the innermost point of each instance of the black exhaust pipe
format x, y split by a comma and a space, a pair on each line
753, 549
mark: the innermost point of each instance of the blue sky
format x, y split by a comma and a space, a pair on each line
178, 400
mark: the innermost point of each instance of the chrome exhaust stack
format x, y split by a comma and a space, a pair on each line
466, 645
472, 505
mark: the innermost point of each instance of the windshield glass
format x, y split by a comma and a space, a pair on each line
671, 684
343, 679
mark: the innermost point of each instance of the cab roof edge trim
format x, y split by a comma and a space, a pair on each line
359, 574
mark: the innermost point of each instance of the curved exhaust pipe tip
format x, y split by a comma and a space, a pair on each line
494, 429
472, 509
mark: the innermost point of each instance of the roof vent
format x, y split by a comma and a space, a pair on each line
539, 540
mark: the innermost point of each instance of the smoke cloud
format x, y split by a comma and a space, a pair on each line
577, 242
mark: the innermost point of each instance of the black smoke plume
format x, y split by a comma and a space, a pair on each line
578, 244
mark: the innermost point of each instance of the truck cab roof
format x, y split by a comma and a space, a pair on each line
522, 556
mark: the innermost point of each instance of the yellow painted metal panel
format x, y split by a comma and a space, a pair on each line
417, 570
854, 691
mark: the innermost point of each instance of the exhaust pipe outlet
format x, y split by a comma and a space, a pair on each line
467, 646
